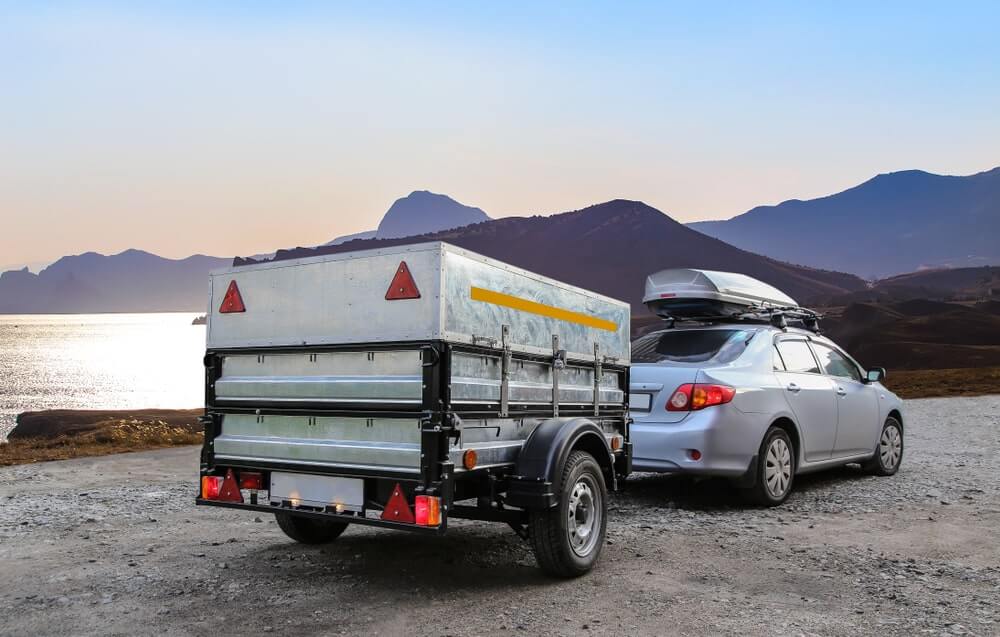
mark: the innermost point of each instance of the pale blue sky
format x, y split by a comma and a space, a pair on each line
236, 128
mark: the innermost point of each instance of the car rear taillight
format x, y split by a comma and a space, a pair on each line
695, 396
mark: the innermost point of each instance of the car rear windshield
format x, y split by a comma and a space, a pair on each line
691, 346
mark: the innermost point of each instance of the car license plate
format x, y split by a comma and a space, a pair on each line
640, 402
302, 489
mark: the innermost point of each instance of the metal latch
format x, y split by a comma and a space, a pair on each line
558, 363
489, 341
505, 371
598, 376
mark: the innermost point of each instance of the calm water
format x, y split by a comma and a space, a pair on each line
98, 361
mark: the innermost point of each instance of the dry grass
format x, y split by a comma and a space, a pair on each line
111, 436
930, 383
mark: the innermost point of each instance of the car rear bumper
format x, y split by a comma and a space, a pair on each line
725, 439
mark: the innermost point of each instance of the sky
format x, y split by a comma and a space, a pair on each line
239, 128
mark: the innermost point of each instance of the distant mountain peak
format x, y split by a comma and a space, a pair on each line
420, 212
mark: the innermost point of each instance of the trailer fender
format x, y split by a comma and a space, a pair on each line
539, 465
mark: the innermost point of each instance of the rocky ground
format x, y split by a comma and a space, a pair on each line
114, 545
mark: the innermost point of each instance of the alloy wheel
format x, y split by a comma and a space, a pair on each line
778, 468
890, 447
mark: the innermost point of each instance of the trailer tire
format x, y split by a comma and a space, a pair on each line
306, 530
567, 539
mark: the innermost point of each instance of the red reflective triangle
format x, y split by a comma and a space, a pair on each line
397, 509
230, 491
403, 286
233, 301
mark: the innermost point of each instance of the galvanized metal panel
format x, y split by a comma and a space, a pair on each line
383, 376
328, 300
340, 299
476, 378
468, 320
361, 442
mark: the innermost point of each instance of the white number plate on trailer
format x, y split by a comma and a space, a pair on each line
640, 402
302, 489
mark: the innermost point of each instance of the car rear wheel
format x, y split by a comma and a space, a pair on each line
306, 530
775, 469
889, 452
568, 538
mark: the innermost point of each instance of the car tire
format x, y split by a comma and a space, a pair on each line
775, 470
567, 539
306, 530
888, 450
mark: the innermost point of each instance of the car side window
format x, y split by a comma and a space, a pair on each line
797, 356
835, 364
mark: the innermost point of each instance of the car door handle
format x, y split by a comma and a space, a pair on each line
841, 391
792, 387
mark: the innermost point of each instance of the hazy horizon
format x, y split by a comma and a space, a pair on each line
239, 129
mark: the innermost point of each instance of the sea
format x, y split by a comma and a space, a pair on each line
99, 361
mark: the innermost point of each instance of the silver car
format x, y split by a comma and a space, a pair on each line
758, 404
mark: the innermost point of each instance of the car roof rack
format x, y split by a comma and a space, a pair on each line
708, 296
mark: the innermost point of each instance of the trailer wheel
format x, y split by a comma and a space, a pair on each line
309, 530
568, 538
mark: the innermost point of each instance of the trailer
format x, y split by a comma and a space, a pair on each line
405, 386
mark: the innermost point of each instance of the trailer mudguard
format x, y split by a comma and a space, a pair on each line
534, 484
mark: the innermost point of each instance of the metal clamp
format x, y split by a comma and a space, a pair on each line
505, 371
598, 376
489, 341
558, 362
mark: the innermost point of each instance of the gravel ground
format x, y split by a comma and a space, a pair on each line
114, 545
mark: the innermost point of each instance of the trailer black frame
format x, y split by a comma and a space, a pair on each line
439, 418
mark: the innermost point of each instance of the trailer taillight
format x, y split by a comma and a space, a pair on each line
222, 489
428, 510
211, 486
251, 480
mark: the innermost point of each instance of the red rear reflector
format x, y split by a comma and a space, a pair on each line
397, 509
403, 286
251, 480
695, 454
428, 510
233, 301
210, 487
230, 491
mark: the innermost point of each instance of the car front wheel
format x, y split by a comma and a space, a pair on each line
889, 452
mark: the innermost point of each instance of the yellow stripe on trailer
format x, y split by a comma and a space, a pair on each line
524, 305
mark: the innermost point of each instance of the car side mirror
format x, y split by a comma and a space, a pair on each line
875, 375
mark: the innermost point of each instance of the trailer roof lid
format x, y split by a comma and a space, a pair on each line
724, 287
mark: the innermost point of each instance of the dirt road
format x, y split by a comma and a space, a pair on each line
114, 545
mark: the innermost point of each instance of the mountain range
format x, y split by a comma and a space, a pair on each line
132, 281
891, 224
610, 248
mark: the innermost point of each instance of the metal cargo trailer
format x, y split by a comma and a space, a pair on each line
399, 387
